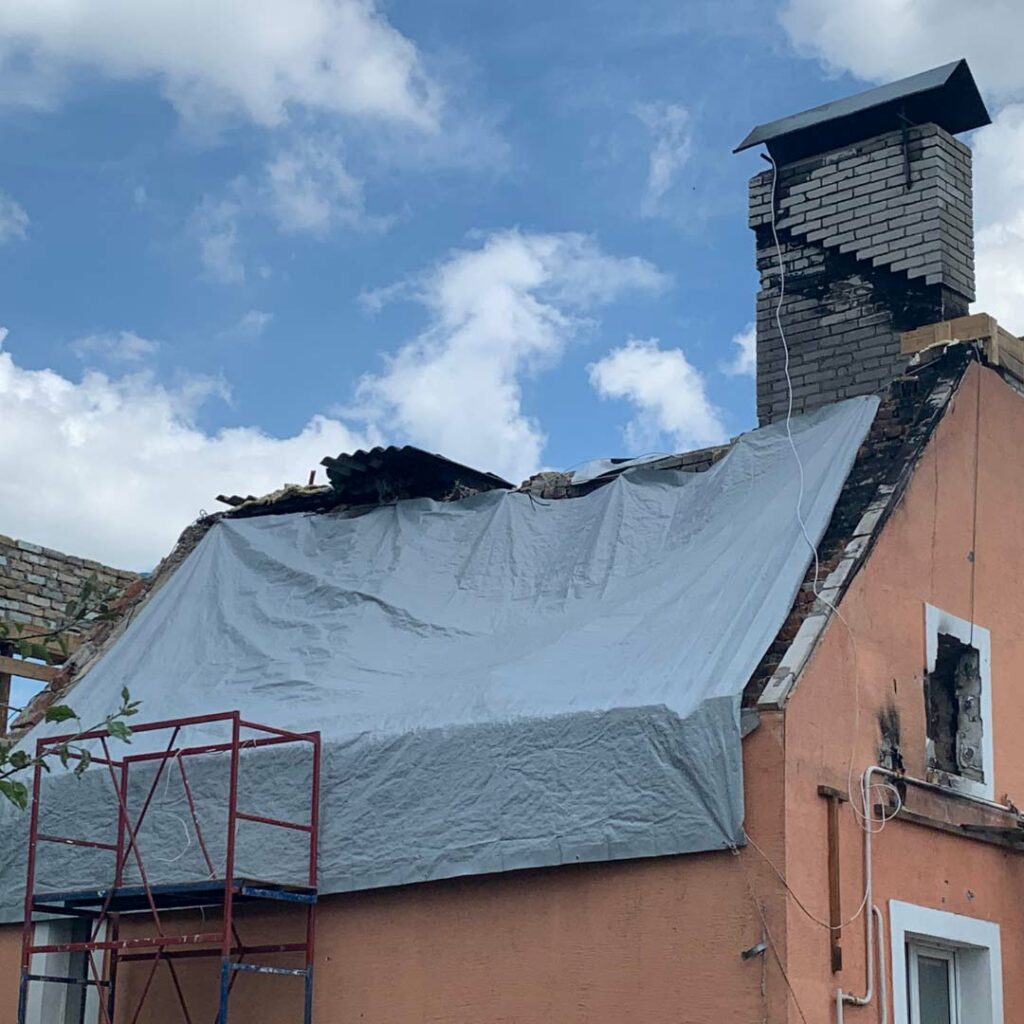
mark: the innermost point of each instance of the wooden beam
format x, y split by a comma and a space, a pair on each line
1001, 348
962, 328
1007, 351
27, 669
5, 701
835, 905
841, 795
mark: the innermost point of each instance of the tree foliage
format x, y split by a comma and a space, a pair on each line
92, 604
15, 762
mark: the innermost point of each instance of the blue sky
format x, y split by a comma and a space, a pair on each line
237, 240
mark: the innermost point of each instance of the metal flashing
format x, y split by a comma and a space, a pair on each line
947, 96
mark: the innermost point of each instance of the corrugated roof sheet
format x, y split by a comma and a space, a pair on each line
390, 474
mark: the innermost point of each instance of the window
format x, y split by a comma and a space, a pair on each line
931, 985
53, 1003
958, 703
946, 968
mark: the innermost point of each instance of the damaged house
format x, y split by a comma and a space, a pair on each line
723, 736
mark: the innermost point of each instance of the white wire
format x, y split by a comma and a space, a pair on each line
789, 380
863, 814
181, 821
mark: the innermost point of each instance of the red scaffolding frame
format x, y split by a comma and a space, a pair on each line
104, 907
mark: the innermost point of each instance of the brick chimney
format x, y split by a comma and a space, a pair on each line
874, 217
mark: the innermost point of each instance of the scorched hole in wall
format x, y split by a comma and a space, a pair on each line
953, 707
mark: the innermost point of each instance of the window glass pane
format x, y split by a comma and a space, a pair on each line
933, 990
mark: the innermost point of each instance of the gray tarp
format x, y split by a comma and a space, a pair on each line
500, 682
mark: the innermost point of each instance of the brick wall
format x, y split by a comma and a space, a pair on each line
866, 257
36, 583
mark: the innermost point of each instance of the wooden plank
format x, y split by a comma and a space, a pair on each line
992, 348
1011, 353
5, 701
841, 795
835, 906
27, 669
963, 328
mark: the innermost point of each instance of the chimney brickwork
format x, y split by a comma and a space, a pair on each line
867, 255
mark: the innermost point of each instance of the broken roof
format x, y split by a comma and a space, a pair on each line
373, 477
457, 723
470, 662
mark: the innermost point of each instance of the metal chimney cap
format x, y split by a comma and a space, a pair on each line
946, 96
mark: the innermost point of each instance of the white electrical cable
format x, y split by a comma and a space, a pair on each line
181, 821
864, 815
874, 915
789, 380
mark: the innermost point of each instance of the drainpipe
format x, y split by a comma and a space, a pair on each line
870, 910
883, 985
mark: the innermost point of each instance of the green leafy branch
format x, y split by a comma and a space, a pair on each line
15, 762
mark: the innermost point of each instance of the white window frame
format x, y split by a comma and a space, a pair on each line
978, 959
937, 621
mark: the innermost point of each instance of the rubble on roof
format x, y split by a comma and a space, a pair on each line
555, 485
366, 478
290, 498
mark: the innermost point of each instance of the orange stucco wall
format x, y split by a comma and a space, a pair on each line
877, 657
659, 940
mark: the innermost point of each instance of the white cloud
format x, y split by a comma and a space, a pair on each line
13, 219
139, 196
881, 40
129, 452
496, 314
215, 225
257, 59
129, 449
309, 189
669, 393
999, 215
998, 151
252, 323
116, 347
669, 125
304, 188
744, 360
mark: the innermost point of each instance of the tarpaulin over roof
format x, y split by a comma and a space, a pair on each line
500, 682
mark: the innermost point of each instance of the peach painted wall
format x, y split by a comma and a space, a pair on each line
655, 940
922, 556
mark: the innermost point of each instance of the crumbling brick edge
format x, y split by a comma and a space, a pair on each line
810, 615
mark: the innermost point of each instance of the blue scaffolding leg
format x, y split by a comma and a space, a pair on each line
23, 997
225, 990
